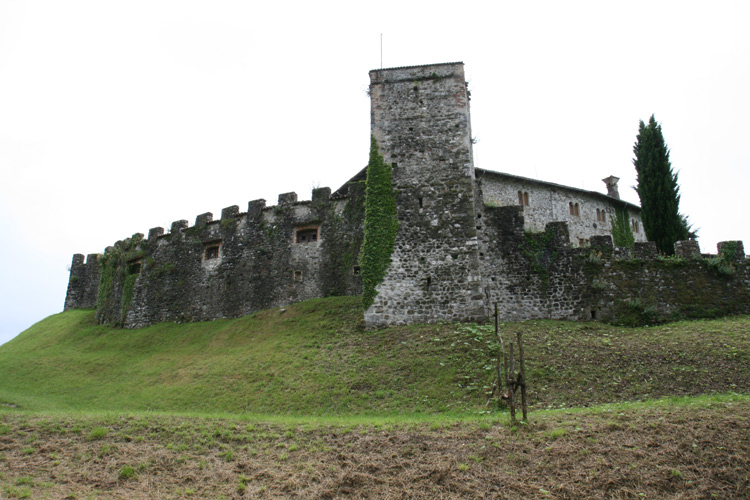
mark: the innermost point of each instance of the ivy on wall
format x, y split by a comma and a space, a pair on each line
622, 234
114, 269
380, 225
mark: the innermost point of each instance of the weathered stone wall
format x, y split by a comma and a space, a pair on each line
551, 202
420, 120
539, 275
237, 265
83, 282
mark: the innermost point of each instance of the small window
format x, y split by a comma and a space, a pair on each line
575, 207
634, 225
306, 235
356, 270
297, 275
574, 210
601, 215
523, 198
211, 252
134, 267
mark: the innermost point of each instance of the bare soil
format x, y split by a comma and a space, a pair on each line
653, 451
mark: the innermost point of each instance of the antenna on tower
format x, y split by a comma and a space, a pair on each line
381, 51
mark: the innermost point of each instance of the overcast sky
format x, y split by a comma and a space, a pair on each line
119, 116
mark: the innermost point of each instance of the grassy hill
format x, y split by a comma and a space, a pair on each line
315, 358
304, 403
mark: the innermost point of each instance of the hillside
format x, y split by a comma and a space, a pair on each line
315, 358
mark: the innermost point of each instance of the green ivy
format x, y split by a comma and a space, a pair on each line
114, 267
724, 262
381, 224
622, 234
537, 248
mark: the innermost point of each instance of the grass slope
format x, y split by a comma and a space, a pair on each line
316, 359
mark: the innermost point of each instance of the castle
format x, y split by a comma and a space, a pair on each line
468, 239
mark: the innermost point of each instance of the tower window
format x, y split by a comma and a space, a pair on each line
574, 210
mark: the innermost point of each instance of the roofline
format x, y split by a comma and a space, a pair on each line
418, 66
597, 194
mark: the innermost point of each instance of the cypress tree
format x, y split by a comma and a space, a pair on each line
381, 224
658, 190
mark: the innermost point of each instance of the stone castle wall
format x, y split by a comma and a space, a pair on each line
540, 275
465, 242
242, 263
83, 282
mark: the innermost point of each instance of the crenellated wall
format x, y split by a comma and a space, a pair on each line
239, 264
540, 275
83, 282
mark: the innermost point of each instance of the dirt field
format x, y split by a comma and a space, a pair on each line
678, 452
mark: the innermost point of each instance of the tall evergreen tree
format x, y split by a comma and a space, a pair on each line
658, 190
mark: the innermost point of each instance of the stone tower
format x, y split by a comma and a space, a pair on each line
420, 119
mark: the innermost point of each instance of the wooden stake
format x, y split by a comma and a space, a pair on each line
511, 386
522, 380
500, 361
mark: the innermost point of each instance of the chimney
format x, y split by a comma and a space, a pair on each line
611, 183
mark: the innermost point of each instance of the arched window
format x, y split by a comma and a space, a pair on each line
575, 207
526, 198
570, 207
520, 198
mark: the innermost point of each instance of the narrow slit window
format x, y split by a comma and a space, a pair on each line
575, 208
526, 199
520, 198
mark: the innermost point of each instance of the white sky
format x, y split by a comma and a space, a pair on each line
116, 117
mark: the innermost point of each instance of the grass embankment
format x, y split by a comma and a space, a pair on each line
699, 448
316, 359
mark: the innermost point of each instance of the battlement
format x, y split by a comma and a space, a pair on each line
255, 209
226, 267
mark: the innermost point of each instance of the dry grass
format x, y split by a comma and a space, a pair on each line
677, 452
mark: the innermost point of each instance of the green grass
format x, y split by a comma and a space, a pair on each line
316, 360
